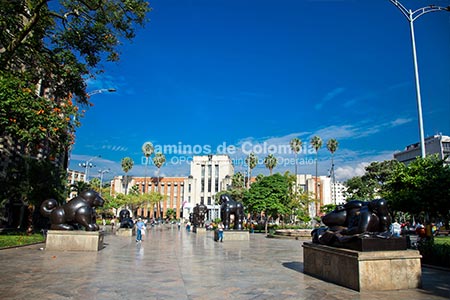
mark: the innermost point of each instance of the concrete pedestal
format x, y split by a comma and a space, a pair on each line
200, 230
125, 232
364, 271
65, 240
231, 235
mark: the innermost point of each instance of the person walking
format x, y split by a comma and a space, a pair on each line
220, 228
140, 226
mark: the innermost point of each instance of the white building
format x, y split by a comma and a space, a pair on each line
210, 174
437, 144
307, 183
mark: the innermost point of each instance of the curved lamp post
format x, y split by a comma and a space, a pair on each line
101, 178
411, 16
87, 165
110, 90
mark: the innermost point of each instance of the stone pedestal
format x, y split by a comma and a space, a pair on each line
65, 240
125, 232
364, 271
234, 235
200, 230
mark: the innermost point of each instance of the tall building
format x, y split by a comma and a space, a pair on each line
307, 183
210, 174
171, 187
437, 144
73, 177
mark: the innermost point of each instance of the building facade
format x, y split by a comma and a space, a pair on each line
323, 190
438, 144
209, 175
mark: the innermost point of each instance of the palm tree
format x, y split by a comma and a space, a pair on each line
147, 149
158, 160
270, 162
127, 165
296, 146
316, 142
332, 146
237, 181
251, 162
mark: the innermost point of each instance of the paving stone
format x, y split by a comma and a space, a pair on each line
172, 264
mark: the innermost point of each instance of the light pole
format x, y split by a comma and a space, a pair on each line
411, 16
86, 165
110, 90
101, 178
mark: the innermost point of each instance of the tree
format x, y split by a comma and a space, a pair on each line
47, 51
127, 165
421, 188
316, 142
270, 162
159, 160
269, 196
251, 160
237, 181
332, 146
370, 185
296, 147
147, 149
171, 213
60, 44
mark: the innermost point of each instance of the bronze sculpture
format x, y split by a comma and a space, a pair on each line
353, 220
80, 210
230, 207
125, 219
199, 214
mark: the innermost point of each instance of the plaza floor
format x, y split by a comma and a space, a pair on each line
173, 264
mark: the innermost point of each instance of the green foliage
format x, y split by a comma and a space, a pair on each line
12, 239
327, 208
421, 187
237, 181
171, 213
371, 184
60, 44
269, 195
127, 164
332, 145
159, 160
34, 121
435, 254
270, 161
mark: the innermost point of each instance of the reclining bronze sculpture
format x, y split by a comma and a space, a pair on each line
80, 210
353, 219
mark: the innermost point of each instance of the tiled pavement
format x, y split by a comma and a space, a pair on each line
172, 264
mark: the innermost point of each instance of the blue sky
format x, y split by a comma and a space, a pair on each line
251, 75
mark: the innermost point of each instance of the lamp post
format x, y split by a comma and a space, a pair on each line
411, 16
86, 165
101, 178
99, 91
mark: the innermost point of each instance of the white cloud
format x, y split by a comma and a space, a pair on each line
329, 96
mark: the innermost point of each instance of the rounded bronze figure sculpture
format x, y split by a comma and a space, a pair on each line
199, 214
353, 219
230, 207
125, 219
78, 211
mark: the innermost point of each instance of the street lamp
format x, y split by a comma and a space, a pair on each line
101, 178
110, 90
411, 16
86, 165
